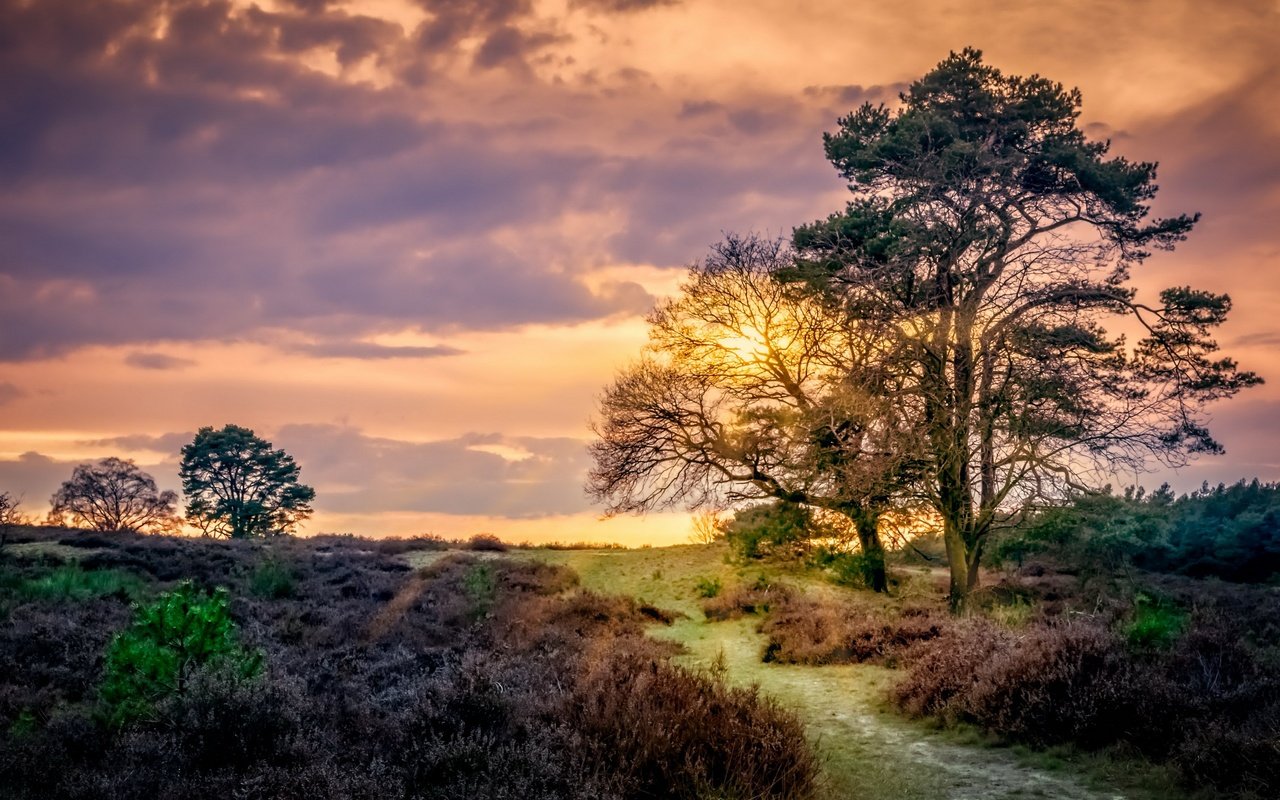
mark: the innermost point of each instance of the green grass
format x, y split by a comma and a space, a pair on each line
72, 582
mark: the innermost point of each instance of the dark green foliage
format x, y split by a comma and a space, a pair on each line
850, 567
181, 633
1231, 532
770, 529
238, 486
1156, 623
479, 587
273, 578
708, 587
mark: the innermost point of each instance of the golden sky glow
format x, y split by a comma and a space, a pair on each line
410, 241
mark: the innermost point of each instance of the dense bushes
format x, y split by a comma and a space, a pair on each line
468, 679
1231, 532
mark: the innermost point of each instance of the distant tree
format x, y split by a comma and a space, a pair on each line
708, 527
238, 486
11, 515
114, 495
993, 243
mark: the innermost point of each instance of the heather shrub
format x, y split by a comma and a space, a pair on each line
808, 631
745, 599
1066, 682
679, 734
184, 631
940, 677
381, 682
487, 542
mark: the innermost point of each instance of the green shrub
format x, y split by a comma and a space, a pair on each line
1156, 623
171, 639
769, 529
480, 588
708, 587
72, 582
847, 567
273, 579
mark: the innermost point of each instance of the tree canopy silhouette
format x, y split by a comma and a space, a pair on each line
994, 242
113, 494
238, 486
754, 389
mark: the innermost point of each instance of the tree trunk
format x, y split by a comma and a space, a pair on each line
958, 561
873, 570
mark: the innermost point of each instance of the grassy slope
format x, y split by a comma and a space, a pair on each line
869, 751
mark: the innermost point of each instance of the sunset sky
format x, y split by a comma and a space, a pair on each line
409, 241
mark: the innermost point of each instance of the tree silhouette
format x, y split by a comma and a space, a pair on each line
754, 389
114, 495
238, 486
993, 243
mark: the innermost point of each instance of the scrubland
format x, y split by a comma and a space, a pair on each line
412, 668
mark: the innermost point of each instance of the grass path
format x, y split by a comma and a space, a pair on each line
869, 752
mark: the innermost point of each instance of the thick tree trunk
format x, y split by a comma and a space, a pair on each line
958, 561
873, 569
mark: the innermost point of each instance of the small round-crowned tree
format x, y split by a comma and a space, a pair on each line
113, 494
238, 486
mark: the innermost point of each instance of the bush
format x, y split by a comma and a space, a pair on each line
487, 542
806, 631
849, 567
679, 734
272, 578
756, 598
1155, 624
769, 529
708, 587
183, 632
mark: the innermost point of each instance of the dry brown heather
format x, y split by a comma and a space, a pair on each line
473, 677
1053, 660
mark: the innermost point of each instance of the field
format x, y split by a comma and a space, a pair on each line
419, 668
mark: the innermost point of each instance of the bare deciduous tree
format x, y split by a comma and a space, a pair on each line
11, 515
751, 389
114, 495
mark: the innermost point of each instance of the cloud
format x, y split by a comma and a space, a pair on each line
371, 350
157, 361
621, 6
354, 472
170, 443
9, 392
